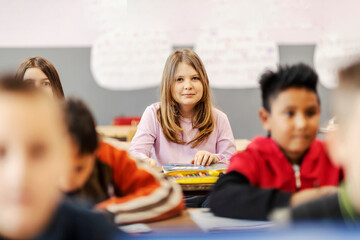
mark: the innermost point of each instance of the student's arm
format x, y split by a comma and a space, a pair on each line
145, 135
234, 197
323, 208
146, 195
225, 145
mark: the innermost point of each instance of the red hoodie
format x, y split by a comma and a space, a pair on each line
265, 166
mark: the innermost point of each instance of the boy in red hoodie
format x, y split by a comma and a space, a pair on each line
289, 166
344, 142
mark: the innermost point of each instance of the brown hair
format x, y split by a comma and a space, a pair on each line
349, 77
169, 111
9, 83
47, 68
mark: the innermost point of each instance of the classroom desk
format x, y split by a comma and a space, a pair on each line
241, 144
178, 224
183, 227
120, 132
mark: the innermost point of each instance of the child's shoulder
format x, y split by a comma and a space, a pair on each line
107, 149
218, 114
262, 143
318, 142
257, 153
153, 108
259, 149
79, 218
151, 111
318, 147
259, 145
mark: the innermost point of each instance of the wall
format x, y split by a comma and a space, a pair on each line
241, 105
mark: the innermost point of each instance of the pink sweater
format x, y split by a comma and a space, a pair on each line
150, 142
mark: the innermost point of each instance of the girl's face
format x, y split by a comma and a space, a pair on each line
187, 89
39, 79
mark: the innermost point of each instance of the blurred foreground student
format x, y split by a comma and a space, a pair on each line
109, 180
184, 127
32, 147
42, 73
344, 148
287, 167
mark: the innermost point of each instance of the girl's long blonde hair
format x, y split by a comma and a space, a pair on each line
169, 112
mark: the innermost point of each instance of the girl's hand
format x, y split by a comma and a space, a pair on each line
151, 162
311, 194
204, 158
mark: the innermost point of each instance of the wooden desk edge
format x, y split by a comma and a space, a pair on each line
181, 223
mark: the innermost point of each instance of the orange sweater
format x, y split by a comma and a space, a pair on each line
138, 193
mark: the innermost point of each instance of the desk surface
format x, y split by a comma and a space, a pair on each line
182, 227
181, 224
115, 131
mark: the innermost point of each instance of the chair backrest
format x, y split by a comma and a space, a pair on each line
129, 121
241, 144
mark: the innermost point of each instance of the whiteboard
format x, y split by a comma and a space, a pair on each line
332, 53
236, 59
128, 60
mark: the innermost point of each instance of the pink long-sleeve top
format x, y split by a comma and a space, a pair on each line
150, 142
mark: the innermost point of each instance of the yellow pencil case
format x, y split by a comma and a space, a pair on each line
195, 177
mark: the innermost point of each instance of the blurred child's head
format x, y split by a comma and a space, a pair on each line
81, 128
344, 143
32, 136
185, 92
290, 110
42, 74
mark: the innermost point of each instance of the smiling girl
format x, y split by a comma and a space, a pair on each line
184, 127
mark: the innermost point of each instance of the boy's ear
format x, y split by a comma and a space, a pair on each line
264, 117
335, 147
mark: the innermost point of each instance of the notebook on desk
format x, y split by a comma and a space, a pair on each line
208, 222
